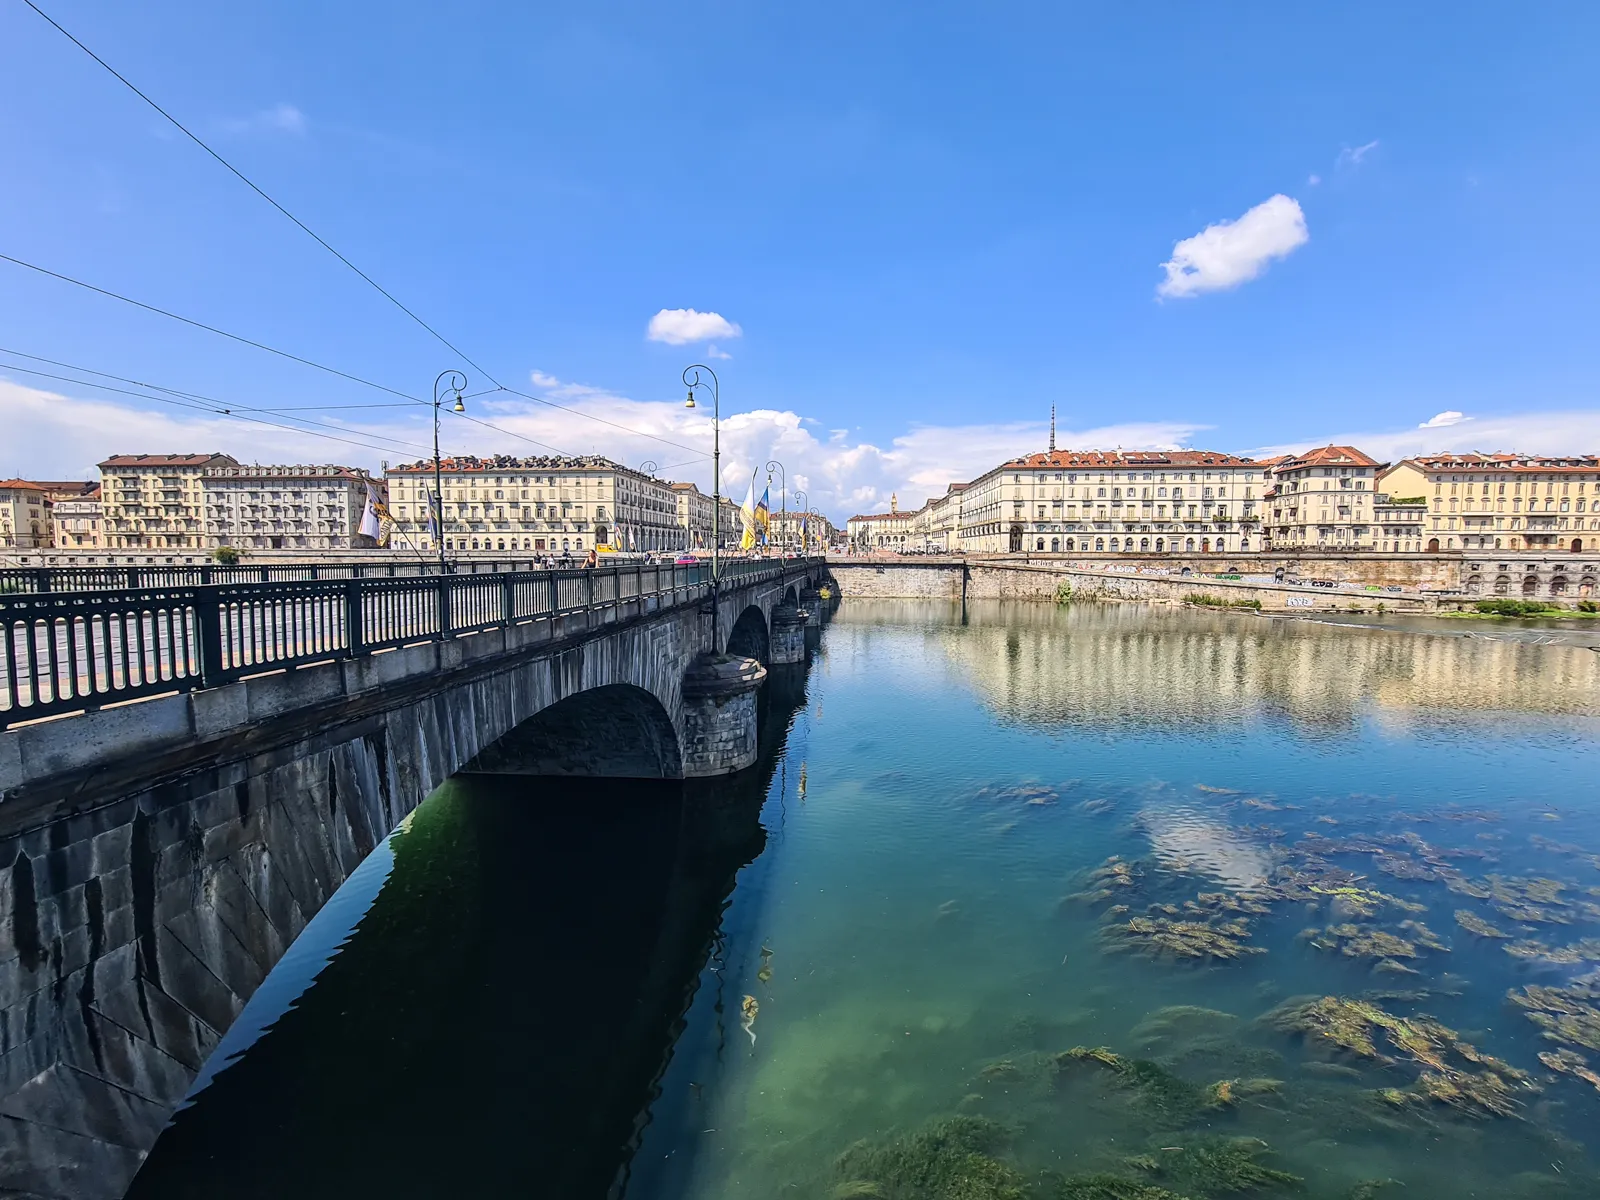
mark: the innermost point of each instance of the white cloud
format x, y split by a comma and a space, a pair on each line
1572, 432
280, 118
1314, 180
1351, 156
1229, 253
713, 352
1444, 420
680, 326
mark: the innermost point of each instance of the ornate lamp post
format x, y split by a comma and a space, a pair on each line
804, 501
649, 467
783, 483
691, 379
457, 383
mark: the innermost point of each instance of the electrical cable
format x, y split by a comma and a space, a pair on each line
306, 229
240, 175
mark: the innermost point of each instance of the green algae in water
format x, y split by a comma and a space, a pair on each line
951, 1159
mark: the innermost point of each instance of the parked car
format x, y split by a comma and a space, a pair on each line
686, 560
1394, 587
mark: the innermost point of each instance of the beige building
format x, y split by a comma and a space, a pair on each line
75, 522
1503, 501
1133, 501
543, 505
1398, 523
299, 507
880, 532
24, 516
155, 501
1323, 500
786, 530
694, 519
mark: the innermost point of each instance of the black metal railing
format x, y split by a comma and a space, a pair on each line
67, 651
131, 578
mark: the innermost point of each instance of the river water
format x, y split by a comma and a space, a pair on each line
1089, 903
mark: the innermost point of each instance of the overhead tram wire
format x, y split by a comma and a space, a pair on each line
251, 342
207, 403
244, 179
203, 408
306, 362
321, 241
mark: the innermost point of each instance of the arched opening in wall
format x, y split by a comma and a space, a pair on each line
1577, 545
1530, 585
790, 596
1502, 584
1474, 584
748, 637
1277, 575
1433, 545
1586, 586
1188, 543
615, 732
1205, 545
1099, 543
1070, 545
1016, 537
1161, 545
1558, 586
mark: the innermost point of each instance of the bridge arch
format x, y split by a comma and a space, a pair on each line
749, 637
618, 731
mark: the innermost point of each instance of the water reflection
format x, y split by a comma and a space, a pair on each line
1120, 664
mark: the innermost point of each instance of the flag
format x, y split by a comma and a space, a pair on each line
748, 511
434, 516
764, 513
370, 527
804, 531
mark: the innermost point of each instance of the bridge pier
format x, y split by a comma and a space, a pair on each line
788, 638
811, 605
719, 714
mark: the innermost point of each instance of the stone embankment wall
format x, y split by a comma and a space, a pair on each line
991, 579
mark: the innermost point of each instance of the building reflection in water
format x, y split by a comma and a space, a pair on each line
1111, 665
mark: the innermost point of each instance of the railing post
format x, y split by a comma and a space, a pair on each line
589, 580
208, 615
444, 606
354, 630
507, 597
41, 579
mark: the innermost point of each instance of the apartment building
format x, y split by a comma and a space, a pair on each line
1323, 500
286, 507
155, 501
1134, 501
1503, 501
543, 505
76, 522
24, 516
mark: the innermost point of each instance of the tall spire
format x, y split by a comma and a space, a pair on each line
1052, 429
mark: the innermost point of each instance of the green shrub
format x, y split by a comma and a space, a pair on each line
1514, 608
225, 556
1218, 602
1063, 592
1589, 605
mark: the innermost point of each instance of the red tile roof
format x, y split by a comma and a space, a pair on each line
20, 484
1515, 463
168, 460
1328, 456
1131, 458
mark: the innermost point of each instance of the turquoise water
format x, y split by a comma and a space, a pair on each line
975, 844
932, 953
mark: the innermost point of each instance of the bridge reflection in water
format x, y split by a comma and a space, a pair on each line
499, 1018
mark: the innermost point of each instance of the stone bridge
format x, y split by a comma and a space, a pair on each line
162, 854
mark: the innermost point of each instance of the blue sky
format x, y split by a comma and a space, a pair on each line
928, 222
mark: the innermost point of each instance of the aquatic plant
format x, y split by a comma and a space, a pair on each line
1569, 1015
1473, 923
1218, 1166
1453, 1071
1570, 1062
1226, 1093
1364, 902
1159, 937
1357, 941
1587, 950
1156, 1090
1177, 1021
1109, 1187
950, 1159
